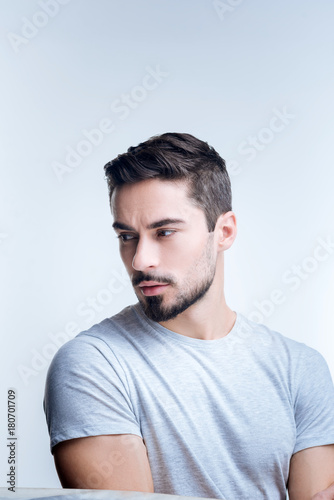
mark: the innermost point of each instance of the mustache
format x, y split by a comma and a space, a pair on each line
148, 277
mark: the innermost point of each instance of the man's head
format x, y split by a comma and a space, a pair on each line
175, 156
170, 230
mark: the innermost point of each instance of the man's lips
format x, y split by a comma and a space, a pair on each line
150, 288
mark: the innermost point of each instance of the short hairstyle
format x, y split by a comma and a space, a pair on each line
176, 156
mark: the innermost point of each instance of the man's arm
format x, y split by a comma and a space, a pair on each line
311, 472
327, 494
114, 462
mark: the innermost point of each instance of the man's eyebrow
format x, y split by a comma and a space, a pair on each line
120, 225
165, 222
153, 225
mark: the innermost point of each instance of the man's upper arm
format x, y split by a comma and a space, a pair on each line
115, 462
311, 471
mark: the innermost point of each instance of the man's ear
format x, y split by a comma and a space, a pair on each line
226, 230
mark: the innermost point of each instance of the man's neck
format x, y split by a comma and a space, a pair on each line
205, 320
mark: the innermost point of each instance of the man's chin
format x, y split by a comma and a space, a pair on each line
155, 311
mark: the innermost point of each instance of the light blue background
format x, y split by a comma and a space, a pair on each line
224, 77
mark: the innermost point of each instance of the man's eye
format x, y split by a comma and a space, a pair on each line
125, 237
165, 232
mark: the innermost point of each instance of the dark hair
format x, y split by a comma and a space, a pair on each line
174, 156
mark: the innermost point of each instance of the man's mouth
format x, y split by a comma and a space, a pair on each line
150, 288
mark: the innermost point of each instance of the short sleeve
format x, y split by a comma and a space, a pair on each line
86, 393
314, 402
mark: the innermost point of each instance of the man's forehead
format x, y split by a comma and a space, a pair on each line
145, 195
152, 201
155, 184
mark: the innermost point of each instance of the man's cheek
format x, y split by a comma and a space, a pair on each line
127, 257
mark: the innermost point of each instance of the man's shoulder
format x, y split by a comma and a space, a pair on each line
273, 341
108, 335
118, 325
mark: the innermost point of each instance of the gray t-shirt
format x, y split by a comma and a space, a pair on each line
219, 418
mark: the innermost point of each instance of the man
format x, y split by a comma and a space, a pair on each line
179, 394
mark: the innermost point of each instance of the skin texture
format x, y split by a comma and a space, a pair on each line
327, 494
117, 462
190, 260
311, 472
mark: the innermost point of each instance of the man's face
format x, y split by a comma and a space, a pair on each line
165, 246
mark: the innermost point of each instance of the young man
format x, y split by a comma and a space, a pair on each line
179, 394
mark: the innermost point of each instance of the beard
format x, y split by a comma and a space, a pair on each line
193, 289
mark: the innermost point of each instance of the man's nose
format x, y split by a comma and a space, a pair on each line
146, 256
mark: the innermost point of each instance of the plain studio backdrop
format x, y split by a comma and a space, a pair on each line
84, 80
